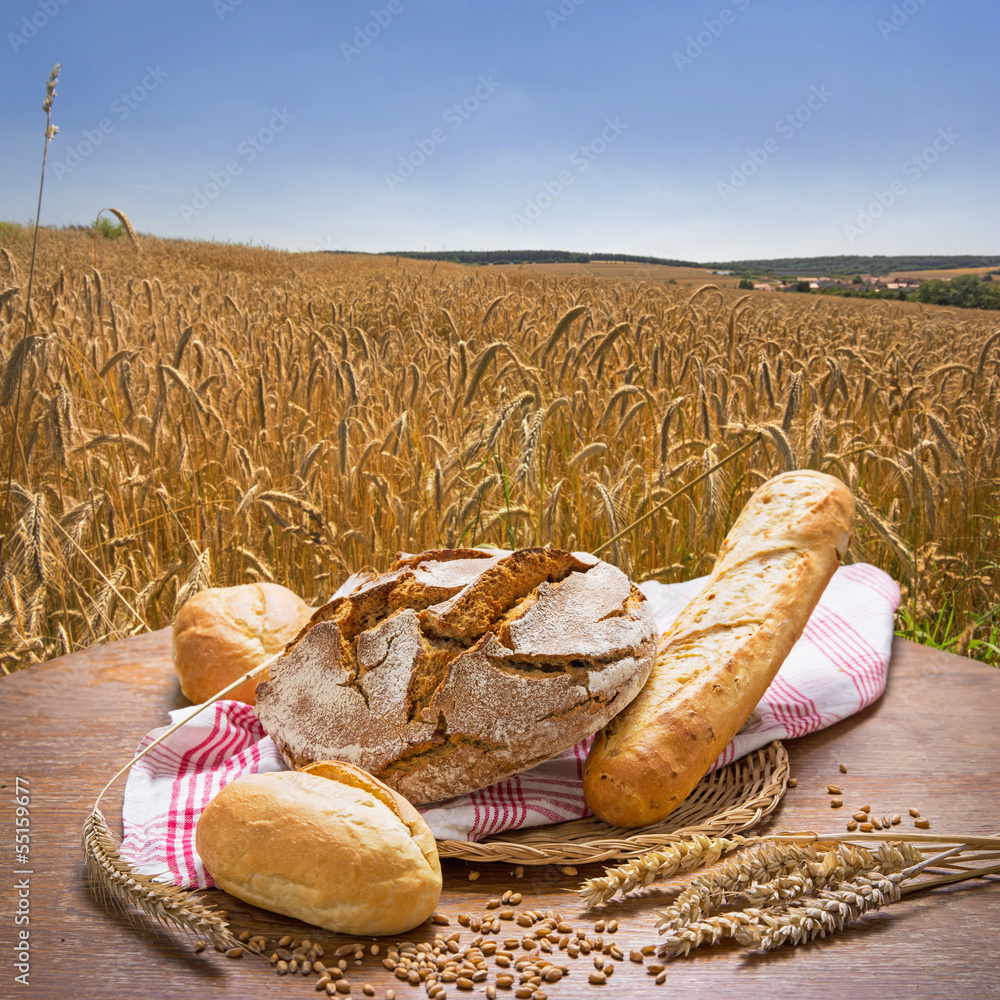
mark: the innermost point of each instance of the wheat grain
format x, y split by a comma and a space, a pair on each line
783, 446
12, 272
792, 402
181, 345
561, 328
130, 232
479, 367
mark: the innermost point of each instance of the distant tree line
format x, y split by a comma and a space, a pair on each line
531, 257
834, 267
863, 292
968, 291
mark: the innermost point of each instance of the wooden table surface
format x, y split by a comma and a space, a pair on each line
932, 741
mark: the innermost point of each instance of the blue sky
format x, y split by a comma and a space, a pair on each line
706, 130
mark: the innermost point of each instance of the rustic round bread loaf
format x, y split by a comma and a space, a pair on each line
460, 667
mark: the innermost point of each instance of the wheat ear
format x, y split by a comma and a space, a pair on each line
831, 910
673, 496
672, 859
115, 879
126, 222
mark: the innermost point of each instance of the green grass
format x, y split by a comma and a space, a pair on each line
942, 631
108, 229
11, 232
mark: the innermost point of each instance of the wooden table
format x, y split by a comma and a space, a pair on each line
933, 741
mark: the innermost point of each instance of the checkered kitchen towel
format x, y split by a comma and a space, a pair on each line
837, 667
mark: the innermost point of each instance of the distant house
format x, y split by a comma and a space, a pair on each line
762, 286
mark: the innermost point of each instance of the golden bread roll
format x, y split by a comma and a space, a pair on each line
716, 661
460, 667
223, 632
329, 844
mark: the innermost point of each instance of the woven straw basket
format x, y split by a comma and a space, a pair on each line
731, 799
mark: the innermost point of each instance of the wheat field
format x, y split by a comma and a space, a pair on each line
200, 414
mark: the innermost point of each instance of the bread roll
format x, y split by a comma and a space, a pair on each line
223, 632
460, 667
330, 845
716, 661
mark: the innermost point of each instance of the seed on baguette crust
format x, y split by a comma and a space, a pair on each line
716, 661
458, 668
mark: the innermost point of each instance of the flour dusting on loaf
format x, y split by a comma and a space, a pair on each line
459, 667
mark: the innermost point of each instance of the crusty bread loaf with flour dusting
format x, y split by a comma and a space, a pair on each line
459, 667
716, 661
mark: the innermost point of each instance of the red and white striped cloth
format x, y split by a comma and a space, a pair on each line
837, 667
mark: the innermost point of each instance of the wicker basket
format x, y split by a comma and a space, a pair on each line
731, 799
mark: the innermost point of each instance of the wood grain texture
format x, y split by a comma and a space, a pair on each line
933, 742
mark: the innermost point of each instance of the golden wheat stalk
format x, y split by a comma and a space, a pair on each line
50, 132
126, 222
830, 910
673, 496
115, 879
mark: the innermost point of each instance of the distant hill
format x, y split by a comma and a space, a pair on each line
792, 266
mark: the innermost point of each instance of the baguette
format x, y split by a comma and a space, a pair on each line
716, 661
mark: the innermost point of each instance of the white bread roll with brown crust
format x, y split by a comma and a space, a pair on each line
329, 844
222, 633
716, 661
